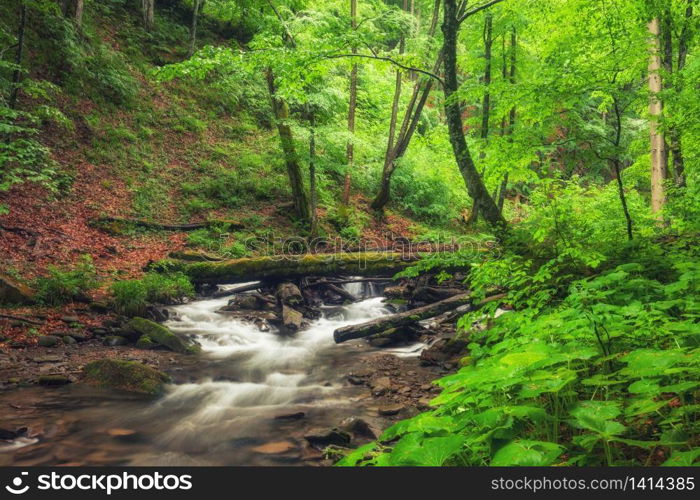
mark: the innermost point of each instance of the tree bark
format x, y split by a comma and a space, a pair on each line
148, 13
280, 110
474, 182
419, 96
17, 74
659, 159
350, 150
73, 9
193, 31
312, 175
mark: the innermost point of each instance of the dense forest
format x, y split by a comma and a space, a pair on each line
496, 203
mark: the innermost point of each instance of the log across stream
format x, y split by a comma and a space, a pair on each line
251, 398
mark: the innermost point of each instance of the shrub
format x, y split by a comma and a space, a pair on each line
131, 297
64, 285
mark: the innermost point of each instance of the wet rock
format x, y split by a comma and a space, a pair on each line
54, 380
396, 292
68, 340
359, 427
443, 350
130, 376
288, 294
162, 336
355, 380
115, 340
145, 342
157, 314
291, 416
80, 336
381, 386
9, 435
381, 342
291, 320
261, 324
49, 341
125, 435
14, 292
390, 410
309, 453
321, 438
245, 301
274, 448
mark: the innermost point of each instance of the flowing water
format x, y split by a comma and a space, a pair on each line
224, 405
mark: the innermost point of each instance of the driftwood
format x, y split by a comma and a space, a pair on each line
407, 318
239, 289
277, 268
102, 221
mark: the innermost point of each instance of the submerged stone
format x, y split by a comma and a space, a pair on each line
130, 376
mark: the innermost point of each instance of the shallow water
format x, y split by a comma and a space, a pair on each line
223, 404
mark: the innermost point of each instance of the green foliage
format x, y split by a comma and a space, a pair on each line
130, 297
605, 375
65, 285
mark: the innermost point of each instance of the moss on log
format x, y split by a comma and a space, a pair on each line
287, 267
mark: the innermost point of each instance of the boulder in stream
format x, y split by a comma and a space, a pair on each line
130, 376
162, 336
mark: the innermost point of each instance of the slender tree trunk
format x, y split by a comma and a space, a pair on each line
73, 9
193, 30
474, 182
148, 14
17, 74
280, 111
618, 169
350, 152
312, 175
659, 168
419, 96
485, 105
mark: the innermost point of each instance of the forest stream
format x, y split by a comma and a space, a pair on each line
249, 398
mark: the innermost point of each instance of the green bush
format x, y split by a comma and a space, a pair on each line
65, 285
130, 297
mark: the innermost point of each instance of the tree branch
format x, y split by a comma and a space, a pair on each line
476, 9
387, 59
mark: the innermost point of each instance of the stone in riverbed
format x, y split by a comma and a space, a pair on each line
49, 341
390, 410
162, 336
54, 380
274, 447
68, 340
291, 320
321, 438
130, 376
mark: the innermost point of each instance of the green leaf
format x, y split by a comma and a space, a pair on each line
682, 458
527, 453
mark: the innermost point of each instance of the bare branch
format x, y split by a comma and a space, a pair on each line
476, 9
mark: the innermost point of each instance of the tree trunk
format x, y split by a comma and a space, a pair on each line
280, 267
193, 31
409, 123
280, 110
350, 152
148, 13
17, 74
474, 182
312, 175
659, 160
73, 9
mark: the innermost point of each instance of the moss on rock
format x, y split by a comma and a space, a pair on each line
129, 376
160, 335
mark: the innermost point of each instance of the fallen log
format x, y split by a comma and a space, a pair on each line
341, 291
109, 220
407, 318
239, 289
290, 267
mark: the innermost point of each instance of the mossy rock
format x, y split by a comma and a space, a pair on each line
145, 342
14, 292
162, 336
130, 376
115, 340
